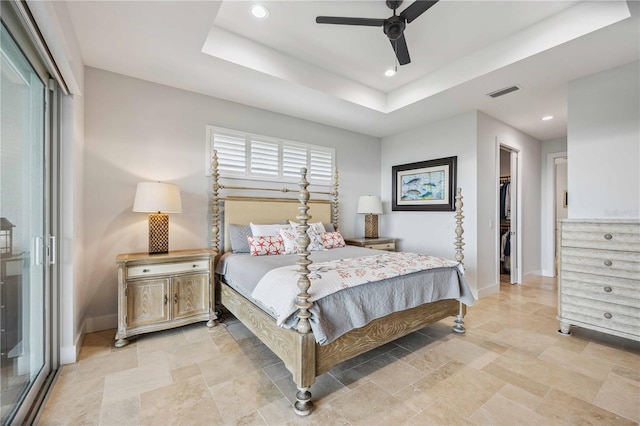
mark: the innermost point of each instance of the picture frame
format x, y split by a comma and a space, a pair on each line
425, 185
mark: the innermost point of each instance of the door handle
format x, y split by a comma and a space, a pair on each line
53, 251
37, 250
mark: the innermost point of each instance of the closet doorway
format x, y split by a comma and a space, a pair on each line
509, 244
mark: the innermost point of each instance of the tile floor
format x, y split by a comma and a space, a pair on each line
511, 368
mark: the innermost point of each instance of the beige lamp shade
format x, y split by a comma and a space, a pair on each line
157, 197
371, 206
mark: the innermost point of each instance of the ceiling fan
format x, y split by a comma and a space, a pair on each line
393, 26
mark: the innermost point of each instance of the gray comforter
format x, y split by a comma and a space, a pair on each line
353, 307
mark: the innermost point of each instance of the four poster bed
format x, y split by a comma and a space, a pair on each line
315, 333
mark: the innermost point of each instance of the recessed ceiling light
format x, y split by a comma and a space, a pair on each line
547, 117
259, 11
390, 72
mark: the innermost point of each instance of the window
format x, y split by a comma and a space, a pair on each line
246, 156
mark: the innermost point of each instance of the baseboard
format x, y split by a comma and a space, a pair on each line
531, 274
488, 291
106, 322
548, 273
70, 354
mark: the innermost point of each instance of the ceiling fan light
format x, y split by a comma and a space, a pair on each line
390, 72
259, 11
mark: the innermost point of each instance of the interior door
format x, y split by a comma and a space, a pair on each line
24, 266
515, 217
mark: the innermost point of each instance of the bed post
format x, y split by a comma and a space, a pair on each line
215, 226
459, 323
335, 219
304, 375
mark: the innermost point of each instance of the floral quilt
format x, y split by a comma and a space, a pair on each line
278, 288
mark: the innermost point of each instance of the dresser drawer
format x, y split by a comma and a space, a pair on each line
632, 285
601, 262
167, 268
385, 246
609, 316
601, 236
601, 292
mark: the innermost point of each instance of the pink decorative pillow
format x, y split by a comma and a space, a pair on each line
333, 240
265, 245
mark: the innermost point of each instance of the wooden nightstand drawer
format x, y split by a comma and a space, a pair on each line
167, 268
382, 243
386, 246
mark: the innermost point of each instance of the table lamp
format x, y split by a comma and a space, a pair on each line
371, 207
158, 199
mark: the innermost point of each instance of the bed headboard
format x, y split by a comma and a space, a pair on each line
241, 210
244, 210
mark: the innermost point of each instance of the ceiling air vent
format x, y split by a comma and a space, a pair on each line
504, 91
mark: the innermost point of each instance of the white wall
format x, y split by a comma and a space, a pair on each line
137, 130
434, 232
491, 132
604, 144
549, 150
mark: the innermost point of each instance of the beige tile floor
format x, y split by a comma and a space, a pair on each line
511, 368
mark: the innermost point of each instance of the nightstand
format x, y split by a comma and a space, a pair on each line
382, 243
161, 291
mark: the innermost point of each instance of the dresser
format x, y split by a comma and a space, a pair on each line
161, 291
382, 243
599, 276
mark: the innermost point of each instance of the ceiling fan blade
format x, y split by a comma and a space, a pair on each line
367, 22
416, 9
401, 49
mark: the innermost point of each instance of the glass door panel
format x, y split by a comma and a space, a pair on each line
22, 230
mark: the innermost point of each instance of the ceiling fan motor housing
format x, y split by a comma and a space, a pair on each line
394, 27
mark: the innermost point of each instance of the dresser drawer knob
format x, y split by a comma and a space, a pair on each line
608, 289
194, 265
608, 236
607, 315
607, 263
145, 270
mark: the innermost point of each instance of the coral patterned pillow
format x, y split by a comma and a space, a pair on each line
333, 240
265, 245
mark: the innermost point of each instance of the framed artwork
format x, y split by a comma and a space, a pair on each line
424, 186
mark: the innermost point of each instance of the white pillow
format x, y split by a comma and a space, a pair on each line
290, 240
261, 230
318, 226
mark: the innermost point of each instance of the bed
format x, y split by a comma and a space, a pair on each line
306, 341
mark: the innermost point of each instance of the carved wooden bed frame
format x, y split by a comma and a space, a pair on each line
297, 348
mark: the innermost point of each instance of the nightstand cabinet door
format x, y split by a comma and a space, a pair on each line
147, 302
190, 295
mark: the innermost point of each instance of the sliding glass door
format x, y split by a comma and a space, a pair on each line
24, 327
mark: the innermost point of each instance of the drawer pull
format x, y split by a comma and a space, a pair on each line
607, 315
608, 236
145, 270
607, 263
608, 289
194, 265
166, 299
175, 298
